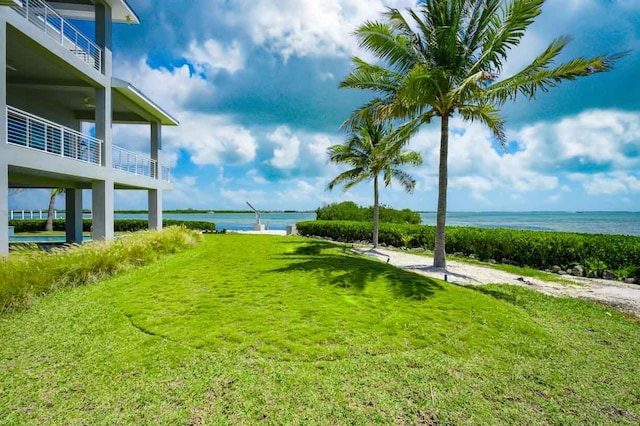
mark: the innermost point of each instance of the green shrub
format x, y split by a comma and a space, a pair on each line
538, 249
348, 210
119, 225
30, 272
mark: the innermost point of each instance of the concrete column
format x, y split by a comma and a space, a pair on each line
102, 207
4, 208
103, 123
103, 116
155, 209
103, 35
73, 215
4, 167
156, 146
155, 195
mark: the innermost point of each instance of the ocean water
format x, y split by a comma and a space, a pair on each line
627, 223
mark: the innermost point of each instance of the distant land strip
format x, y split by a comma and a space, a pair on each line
193, 211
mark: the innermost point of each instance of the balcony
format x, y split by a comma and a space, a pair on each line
39, 13
32, 132
137, 164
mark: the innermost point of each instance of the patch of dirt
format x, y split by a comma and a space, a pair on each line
625, 297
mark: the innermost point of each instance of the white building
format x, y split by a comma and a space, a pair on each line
54, 78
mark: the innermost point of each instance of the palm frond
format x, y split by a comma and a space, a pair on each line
387, 44
405, 179
504, 31
533, 79
349, 178
487, 114
370, 77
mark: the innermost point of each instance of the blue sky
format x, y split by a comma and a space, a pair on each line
254, 85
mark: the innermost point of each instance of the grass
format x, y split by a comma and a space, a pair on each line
29, 272
245, 329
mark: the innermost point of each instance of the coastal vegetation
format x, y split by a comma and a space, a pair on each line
30, 272
348, 210
373, 149
244, 329
446, 60
596, 253
119, 225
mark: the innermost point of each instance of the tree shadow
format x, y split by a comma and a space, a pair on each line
509, 298
348, 270
419, 267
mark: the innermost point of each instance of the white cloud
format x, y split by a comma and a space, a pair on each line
305, 187
213, 139
325, 76
306, 27
474, 164
209, 138
211, 56
286, 154
168, 88
258, 198
608, 183
585, 144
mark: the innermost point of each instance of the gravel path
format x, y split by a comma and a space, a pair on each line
613, 293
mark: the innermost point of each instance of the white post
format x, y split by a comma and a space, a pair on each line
155, 208
22, 214
31, 214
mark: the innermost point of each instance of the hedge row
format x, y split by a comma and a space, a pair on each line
119, 225
538, 249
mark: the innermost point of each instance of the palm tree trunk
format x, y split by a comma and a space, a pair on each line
439, 259
376, 217
52, 203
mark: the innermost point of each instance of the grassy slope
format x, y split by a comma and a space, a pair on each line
252, 328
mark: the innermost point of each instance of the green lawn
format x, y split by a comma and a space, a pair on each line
245, 329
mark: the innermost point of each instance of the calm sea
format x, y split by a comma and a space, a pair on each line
588, 222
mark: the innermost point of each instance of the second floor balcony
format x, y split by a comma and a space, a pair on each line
50, 22
35, 133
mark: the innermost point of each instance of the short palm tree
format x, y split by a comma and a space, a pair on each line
374, 148
52, 202
447, 59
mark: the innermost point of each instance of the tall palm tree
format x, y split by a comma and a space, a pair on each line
372, 149
447, 59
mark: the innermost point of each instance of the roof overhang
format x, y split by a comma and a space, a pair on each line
85, 9
10, 3
141, 101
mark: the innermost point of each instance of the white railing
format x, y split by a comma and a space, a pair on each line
138, 164
165, 173
33, 132
51, 23
31, 214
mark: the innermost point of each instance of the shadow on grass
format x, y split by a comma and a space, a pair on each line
509, 298
347, 270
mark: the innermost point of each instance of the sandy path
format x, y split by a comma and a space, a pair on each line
613, 293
